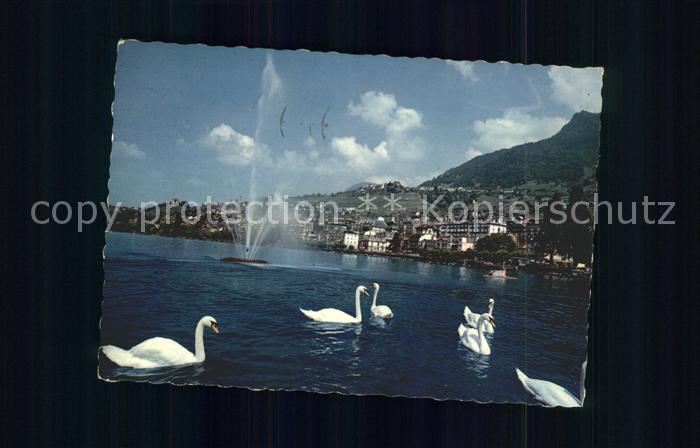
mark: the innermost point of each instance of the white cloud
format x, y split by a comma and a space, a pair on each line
465, 68
512, 128
346, 161
404, 120
375, 107
360, 157
382, 109
231, 146
128, 150
577, 88
471, 153
236, 148
310, 142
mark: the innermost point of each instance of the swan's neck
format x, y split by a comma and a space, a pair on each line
374, 299
491, 308
358, 308
199, 354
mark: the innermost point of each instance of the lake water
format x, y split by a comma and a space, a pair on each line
157, 286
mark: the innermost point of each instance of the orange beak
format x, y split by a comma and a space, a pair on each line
215, 327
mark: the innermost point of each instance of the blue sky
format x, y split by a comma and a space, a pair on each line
193, 120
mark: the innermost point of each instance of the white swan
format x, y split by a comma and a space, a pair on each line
382, 311
473, 318
162, 352
473, 338
332, 315
551, 394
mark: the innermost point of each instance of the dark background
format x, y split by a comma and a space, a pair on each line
58, 63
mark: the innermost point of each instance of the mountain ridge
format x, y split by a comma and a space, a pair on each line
569, 156
359, 185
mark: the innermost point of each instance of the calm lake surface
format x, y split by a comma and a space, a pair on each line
156, 286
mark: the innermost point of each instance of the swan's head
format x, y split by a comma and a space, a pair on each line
491, 301
211, 323
375, 285
363, 290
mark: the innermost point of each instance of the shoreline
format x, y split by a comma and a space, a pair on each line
542, 271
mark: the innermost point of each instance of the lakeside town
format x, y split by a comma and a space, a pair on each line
485, 212
401, 228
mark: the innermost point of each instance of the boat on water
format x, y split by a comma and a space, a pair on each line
243, 260
499, 273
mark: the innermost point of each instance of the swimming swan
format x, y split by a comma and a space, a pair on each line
473, 338
551, 394
332, 315
473, 318
162, 352
382, 311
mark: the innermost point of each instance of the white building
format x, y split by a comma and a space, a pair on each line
427, 235
464, 243
371, 241
488, 228
351, 239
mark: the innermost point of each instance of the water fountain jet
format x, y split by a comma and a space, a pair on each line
255, 231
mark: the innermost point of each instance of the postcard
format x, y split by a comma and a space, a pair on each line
355, 224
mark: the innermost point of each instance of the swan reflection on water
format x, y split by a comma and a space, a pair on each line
187, 373
331, 338
328, 328
476, 363
378, 322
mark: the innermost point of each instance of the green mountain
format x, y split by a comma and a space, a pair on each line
570, 156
